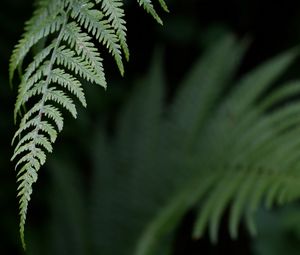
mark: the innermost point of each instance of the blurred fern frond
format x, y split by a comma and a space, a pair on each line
206, 150
239, 150
221, 144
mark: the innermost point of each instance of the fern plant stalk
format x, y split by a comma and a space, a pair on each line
68, 29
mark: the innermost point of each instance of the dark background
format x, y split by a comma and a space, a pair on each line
189, 28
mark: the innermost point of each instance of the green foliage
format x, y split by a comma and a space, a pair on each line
220, 144
63, 37
240, 150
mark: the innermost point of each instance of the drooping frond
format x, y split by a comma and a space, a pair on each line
95, 23
114, 10
148, 6
69, 33
42, 24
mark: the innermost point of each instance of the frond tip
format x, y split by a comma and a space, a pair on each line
70, 30
148, 6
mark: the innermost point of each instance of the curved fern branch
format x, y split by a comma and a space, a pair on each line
52, 80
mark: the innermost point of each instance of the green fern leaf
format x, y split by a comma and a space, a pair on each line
37, 30
148, 6
54, 114
86, 48
54, 75
164, 5
94, 21
113, 9
61, 98
58, 76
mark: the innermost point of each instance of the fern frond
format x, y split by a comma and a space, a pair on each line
25, 191
54, 114
61, 98
54, 76
38, 60
86, 48
49, 25
113, 9
148, 6
96, 24
163, 5
73, 85
240, 151
253, 130
67, 58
